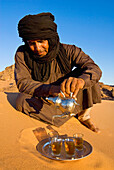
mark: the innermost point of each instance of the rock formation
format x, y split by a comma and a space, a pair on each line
7, 82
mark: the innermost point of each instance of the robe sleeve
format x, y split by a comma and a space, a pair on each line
89, 71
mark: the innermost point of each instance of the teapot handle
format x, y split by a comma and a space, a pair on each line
62, 94
71, 94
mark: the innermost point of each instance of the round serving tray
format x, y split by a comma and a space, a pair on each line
44, 148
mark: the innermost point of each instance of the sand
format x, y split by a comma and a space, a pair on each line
18, 142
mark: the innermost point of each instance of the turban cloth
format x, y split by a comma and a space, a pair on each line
42, 27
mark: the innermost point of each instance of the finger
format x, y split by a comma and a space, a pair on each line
63, 85
76, 92
63, 95
81, 83
66, 95
68, 85
73, 84
77, 88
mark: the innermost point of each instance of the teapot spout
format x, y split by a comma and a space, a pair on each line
50, 100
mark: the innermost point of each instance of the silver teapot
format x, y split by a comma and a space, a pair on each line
66, 105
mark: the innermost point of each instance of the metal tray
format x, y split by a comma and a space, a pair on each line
44, 148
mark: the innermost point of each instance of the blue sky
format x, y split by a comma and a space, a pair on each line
87, 24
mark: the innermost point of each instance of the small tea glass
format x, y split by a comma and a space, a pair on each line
78, 137
69, 147
56, 145
51, 134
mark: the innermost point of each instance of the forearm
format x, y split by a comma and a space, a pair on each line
32, 87
26, 84
91, 76
46, 90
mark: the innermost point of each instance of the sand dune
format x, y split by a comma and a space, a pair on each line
18, 142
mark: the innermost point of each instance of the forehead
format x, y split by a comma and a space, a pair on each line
36, 40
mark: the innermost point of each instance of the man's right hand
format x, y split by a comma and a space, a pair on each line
54, 90
73, 85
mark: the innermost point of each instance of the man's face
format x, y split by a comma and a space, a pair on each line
39, 47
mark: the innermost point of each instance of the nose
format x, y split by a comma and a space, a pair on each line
37, 46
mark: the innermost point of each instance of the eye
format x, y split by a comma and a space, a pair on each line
40, 41
31, 43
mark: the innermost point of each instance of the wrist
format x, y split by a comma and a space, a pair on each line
54, 90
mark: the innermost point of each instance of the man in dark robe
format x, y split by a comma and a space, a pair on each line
44, 67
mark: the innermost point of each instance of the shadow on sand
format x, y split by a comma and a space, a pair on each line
11, 97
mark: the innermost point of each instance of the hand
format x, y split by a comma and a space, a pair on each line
72, 85
54, 90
